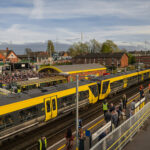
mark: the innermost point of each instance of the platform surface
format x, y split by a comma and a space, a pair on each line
141, 141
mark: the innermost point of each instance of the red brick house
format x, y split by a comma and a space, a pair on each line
107, 59
8, 55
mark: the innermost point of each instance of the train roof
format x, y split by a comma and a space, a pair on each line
12, 98
100, 78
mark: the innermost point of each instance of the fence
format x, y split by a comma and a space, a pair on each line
119, 137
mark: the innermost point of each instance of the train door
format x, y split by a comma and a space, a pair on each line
125, 82
142, 78
50, 107
54, 106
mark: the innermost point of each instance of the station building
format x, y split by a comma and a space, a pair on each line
70, 71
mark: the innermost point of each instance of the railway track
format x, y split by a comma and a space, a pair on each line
54, 131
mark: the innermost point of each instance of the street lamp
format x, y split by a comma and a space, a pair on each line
77, 112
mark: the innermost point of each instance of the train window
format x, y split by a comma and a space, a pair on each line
54, 104
83, 95
28, 114
116, 84
99, 87
105, 87
8, 121
94, 90
48, 106
2, 123
66, 101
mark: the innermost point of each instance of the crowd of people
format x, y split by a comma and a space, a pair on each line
70, 138
115, 113
15, 76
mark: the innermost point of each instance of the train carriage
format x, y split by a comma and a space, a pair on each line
21, 111
112, 84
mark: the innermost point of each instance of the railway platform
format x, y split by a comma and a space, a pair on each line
130, 134
94, 126
141, 139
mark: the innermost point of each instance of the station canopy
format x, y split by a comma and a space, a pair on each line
75, 68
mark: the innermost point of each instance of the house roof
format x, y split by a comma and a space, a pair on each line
6, 52
101, 55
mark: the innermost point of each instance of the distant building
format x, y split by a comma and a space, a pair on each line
106, 59
64, 55
8, 56
142, 57
39, 57
140, 53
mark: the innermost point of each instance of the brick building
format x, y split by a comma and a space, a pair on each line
39, 57
142, 57
106, 59
8, 55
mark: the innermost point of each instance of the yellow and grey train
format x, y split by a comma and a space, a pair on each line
19, 112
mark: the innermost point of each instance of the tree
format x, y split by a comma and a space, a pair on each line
78, 49
131, 59
95, 46
50, 48
109, 47
28, 51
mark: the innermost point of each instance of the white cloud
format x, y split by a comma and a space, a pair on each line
27, 33
65, 9
38, 9
48, 10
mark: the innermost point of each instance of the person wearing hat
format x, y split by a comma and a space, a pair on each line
81, 138
105, 107
69, 139
42, 143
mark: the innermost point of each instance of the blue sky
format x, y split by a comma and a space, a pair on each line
125, 22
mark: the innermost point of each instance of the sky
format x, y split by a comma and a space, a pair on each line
26, 21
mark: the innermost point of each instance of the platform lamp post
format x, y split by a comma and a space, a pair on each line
77, 107
77, 112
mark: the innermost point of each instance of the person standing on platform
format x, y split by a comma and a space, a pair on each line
149, 87
124, 101
141, 92
112, 107
81, 138
114, 119
42, 143
69, 140
132, 107
107, 116
105, 107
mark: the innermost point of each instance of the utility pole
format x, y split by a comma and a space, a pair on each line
145, 45
50, 54
77, 112
81, 37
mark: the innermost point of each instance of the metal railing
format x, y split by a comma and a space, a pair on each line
119, 137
